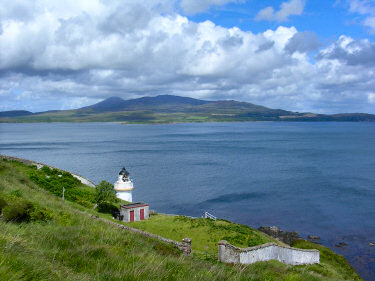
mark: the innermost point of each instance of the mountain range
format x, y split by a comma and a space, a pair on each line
173, 109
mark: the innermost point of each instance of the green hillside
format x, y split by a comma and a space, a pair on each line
43, 237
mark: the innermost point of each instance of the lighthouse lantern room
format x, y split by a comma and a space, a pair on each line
124, 186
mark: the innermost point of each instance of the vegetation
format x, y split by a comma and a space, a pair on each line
104, 192
173, 109
55, 180
65, 244
204, 232
105, 198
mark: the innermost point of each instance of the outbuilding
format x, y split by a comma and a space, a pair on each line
134, 212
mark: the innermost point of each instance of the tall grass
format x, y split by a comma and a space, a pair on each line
71, 246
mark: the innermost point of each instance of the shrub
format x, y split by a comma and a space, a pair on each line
107, 207
40, 214
16, 193
25, 211
104, 191
46, 170
75, 191
18, 211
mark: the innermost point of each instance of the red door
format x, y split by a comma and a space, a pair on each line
131, 215
142, 214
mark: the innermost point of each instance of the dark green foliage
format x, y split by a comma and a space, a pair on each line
16, 193
105, 198
104, 192
107, 208
55, 180
25, 211
41, 214
18, 211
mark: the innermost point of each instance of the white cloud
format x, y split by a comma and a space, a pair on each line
72, 57
287, 9
366, 8
371, 97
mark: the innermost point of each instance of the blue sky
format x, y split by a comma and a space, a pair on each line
302, 55
329, 19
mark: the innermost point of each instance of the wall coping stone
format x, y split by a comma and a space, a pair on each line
237, 249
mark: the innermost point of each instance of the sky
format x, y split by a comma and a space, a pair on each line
300, 55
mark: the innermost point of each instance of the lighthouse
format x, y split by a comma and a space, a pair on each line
124, 186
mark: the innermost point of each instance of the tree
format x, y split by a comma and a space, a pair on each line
104, 192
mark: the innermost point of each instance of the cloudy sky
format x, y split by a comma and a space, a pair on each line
302, 55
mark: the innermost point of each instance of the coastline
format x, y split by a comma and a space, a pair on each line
40, 165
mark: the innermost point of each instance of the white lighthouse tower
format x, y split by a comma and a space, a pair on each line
124, 186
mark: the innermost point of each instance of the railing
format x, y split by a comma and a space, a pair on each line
207, 215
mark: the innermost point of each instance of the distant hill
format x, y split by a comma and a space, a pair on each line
174, 109
158, 103
14, 113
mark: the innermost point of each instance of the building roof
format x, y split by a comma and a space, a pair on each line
134, 205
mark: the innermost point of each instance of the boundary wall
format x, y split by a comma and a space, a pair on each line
271, 251
184, 245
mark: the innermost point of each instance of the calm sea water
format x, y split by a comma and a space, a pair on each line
315, 178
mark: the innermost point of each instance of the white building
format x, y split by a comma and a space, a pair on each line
124, 186
134, 212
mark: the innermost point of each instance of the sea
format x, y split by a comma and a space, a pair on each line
316, 178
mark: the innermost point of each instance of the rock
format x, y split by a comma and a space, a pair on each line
341, 245
288, 237
312, 237
371, 244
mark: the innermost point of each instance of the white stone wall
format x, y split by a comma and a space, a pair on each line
83, 180
271, 251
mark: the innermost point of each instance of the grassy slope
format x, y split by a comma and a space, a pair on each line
205, 233
72, 246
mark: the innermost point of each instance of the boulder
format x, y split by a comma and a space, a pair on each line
312, 237
288, 237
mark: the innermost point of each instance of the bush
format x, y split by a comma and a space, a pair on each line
108, 208
25, 211
75, 191
16, 193
18, 211
41, 214
104, 192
